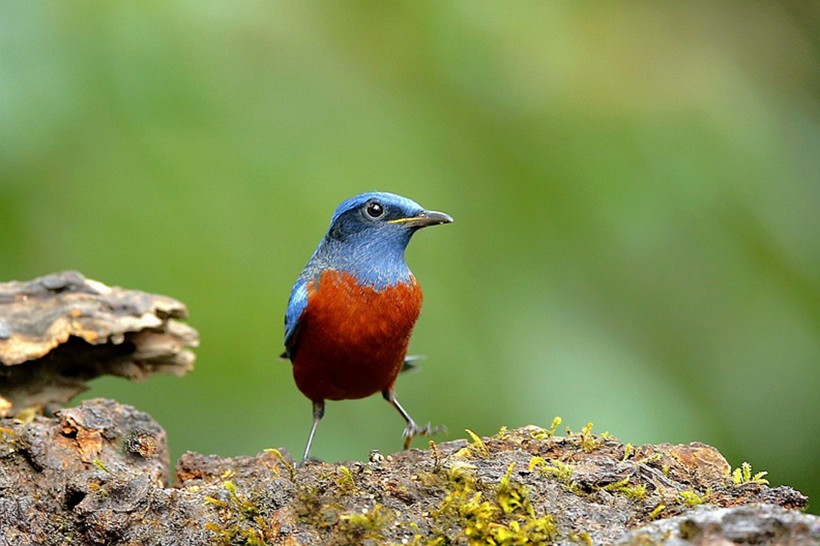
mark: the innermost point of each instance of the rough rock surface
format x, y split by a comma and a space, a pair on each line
61, 330
749, 524
96, 474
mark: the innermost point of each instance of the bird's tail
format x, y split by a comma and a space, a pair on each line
410, 363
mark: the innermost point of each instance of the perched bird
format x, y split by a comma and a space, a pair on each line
352, 310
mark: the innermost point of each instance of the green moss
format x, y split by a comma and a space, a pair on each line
475, 449
582, 538
556, 422
543, 434
629, 450
690, 498
503, 516
239, 520
101, 465
344, 480
561, 471
369, 525
656, 511
283, 462
634, 492
743, 475
503, 433
588, 442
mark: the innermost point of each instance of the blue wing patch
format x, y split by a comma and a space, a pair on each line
296, 306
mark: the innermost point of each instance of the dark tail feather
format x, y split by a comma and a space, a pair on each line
410, 363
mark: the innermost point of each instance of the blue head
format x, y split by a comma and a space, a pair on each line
368, 235
367, 238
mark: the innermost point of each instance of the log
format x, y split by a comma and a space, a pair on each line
59, 331
98, 473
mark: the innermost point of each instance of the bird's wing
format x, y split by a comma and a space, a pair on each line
410, 363
296, 306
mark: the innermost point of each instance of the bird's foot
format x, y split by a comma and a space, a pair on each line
310, 460
412, 430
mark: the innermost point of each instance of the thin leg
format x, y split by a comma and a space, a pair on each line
318, 413
412, 429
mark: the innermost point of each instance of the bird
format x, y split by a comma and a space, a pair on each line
353, 307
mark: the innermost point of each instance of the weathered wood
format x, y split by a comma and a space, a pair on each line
59, 331
96, 474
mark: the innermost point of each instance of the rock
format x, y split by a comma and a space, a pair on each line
749, 524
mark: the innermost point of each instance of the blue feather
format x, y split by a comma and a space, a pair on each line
371, 251
296, 305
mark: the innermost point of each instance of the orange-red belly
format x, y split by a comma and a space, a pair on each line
352, 340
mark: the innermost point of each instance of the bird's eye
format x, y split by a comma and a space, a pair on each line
374, 209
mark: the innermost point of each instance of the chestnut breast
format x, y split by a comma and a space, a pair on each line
353, 338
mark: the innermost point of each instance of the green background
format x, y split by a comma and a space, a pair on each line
635, 187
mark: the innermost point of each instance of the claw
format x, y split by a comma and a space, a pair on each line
412, 430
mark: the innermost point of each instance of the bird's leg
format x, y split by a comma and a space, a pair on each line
318, 413
412, 429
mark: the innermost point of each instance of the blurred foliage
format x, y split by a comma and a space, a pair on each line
635, 187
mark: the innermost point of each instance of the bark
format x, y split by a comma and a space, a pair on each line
59, 331
98, 473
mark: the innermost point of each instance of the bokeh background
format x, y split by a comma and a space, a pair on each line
635, 187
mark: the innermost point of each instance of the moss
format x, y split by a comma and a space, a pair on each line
288, 466
344, 480
560, 471
690, 498
315, 510
557, 469
436, 455
475, 449
634, 492
588, 442
337, 526
502, 516
656, 511
582, 538
503, 433
743, 475
359, 527
239, 519
101, 465
543, 434
629, 450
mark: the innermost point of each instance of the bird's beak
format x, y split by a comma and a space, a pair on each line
423, 219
